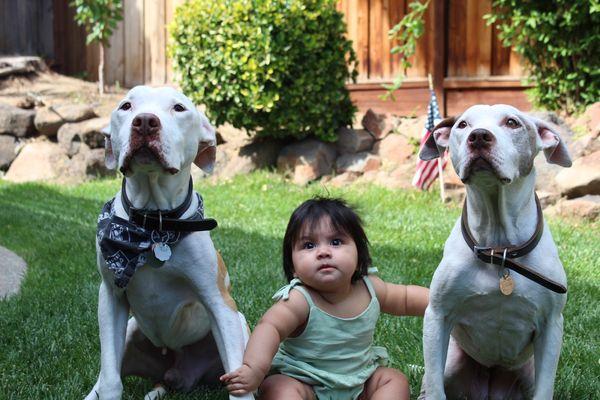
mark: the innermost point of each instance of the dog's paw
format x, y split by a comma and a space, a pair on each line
157, 393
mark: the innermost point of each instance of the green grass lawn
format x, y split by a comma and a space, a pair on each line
49, 347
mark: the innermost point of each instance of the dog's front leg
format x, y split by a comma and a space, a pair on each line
546, 349
436, 335
113, 311
226, 323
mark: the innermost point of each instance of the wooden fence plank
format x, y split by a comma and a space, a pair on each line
362, 37
395, 14
133, 12
421, 61
114, 57
457, 36
155, 41
375, 39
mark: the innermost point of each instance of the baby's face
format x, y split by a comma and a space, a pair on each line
324, 258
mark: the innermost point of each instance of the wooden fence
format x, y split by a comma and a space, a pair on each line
461, 52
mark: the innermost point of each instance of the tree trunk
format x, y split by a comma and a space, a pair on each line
101, 71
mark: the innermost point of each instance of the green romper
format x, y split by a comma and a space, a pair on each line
334, 355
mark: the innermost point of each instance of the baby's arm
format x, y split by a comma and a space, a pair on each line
400, 299
279, 322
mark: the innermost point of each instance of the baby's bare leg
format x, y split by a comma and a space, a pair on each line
386, 384
277, 387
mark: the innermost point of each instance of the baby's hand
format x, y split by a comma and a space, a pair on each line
243, 380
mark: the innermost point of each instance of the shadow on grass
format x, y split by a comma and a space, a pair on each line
49, 333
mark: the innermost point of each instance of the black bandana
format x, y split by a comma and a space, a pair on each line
126, 246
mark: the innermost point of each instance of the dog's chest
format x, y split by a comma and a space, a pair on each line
166, 307
494, 328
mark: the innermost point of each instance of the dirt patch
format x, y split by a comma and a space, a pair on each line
52, 88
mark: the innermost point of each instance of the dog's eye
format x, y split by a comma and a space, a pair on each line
125, 106
512, 123
462, 124
179, 108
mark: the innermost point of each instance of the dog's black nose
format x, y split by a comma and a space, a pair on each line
146, 124
481, 138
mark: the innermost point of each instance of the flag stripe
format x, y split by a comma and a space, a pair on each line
427, 171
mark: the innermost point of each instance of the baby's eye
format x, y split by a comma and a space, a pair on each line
336, 242
308, 245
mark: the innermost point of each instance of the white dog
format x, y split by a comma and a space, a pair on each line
156, 256
493, 328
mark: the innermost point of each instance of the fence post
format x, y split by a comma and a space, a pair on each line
438, 51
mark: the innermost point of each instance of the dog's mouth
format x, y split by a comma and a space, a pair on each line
146, 155
481, 164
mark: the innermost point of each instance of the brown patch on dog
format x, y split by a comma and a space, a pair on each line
223, 287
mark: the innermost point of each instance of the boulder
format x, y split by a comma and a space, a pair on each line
412, 128
72, 135
582, 178
586, 207
354, 140
8, 150
307, 160
37, 161
49, 119
15, 121
232, 160
94, 164
379, 125
343, 179
394, 149
359, 162
12, 272
589, 121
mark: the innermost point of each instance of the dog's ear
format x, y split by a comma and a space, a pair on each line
554, 148
109, 157
207, 147
437, 139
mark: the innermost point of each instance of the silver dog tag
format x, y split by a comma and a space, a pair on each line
162, 251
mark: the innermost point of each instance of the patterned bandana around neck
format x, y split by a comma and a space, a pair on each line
126, 246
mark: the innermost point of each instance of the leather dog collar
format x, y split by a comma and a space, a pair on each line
503, 255
166, 220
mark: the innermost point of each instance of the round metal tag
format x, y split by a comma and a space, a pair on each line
162, 251
507, 285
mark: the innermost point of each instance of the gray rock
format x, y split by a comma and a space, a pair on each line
8, 150
582, 178
586, 207
15, 121
72, 135
308, 160
12, 272
354, 141
354, 162
37, 161
379, 125
49, 119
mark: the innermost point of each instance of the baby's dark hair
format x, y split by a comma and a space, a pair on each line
343, 219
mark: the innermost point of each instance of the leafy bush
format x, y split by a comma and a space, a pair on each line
275, 67
560, 42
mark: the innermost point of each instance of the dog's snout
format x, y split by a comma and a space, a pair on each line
481, 138
146, 124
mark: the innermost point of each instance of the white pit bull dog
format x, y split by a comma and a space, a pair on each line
156, 256
493, 328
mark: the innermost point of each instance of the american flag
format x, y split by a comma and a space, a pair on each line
427, 171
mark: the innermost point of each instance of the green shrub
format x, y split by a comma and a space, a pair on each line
274, 67
560, 42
